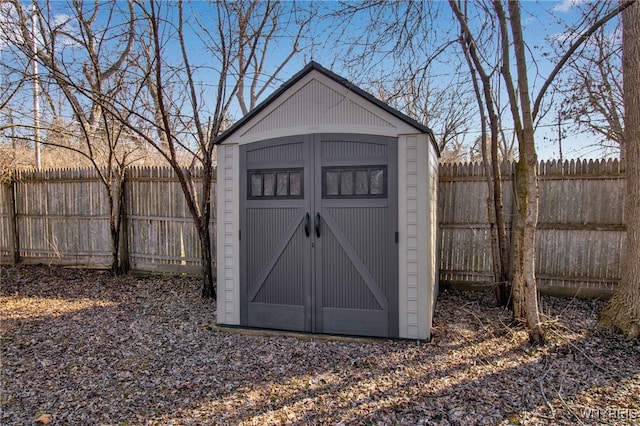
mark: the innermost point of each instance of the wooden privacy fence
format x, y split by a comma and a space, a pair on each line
580, 234
62, 217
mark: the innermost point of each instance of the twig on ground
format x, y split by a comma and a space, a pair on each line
595, 364
564, 403
541, 385
482, 326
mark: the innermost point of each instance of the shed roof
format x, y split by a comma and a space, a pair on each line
314, 66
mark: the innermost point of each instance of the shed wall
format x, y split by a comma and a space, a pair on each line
432, 255
416, 170
228, 246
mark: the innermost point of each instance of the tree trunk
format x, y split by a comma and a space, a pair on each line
525, 295
208, 289
115, 246
114, 183
623, 310
525, 302
14, 235
503, 286
114, 228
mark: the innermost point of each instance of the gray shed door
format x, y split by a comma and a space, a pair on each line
318, 219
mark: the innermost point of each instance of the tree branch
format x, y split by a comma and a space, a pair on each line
574, 46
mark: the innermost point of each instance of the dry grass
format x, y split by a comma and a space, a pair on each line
83, 347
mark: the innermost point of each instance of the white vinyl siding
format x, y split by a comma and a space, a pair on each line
416, 244
228, 273
317, 104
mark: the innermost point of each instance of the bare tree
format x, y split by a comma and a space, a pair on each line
623, 310
10, 84
84, 58
592, 88
286, 22
525, 297
13, 73
176, 114
482, 76
447, 109
396, 40
15, 108
524, 109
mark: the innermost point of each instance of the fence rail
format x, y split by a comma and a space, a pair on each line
62, 217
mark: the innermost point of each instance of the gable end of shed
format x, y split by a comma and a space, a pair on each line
316, 104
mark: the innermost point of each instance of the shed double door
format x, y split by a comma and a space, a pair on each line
318, 240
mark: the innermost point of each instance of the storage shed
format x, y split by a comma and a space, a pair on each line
326, 210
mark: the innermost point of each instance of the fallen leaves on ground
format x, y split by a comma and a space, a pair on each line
44, 419
88, 348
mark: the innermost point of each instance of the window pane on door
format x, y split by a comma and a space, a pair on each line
269, 184
346, 182
377, 182
283, 185
332, 179
362, 182
295, 183
256, 185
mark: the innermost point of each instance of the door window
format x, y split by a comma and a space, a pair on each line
276, 183
354, 182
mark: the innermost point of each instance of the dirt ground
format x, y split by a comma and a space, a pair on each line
81, 348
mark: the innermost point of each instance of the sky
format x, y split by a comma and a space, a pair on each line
541, 20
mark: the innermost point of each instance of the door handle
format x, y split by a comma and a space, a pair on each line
307, 219
317, 224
